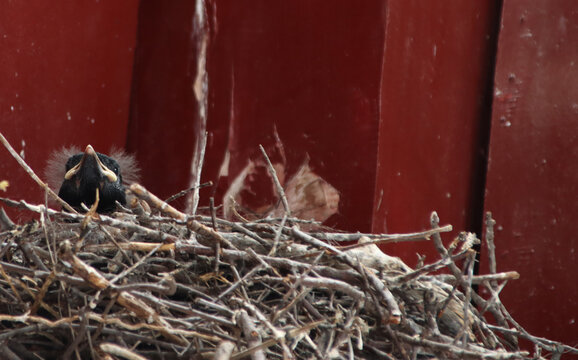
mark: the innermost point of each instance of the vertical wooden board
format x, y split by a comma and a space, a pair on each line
163, 106
532, 184
65, 72
310, 71
435, 92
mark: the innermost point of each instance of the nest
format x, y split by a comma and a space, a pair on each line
140, 285
160, 284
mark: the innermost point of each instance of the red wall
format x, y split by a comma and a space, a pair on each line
163, 107
434, 117
65, 72
308, 70
391, 101
532, 183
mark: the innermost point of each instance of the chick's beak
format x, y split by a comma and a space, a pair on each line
89, 152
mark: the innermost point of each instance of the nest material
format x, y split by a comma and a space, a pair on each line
135, 285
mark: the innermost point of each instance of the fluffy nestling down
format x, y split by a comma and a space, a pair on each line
78, 175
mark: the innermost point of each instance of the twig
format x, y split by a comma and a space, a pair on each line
278, 185
278, 234
476, 279
416, 274
114, 349
224, 350
490, 223
135, 265
215, 227
252, 336
33, 175
186, 191
383, 238
5, 222
535, 339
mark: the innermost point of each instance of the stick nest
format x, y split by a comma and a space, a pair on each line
164, 285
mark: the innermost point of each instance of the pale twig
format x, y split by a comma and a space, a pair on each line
5, 222
418, 273
278, 236
251, 334
224, 350
278, 335
215, 227
380, 239
420, 235
278, 185
536, 339
186, 191
323, 283
33, 175
114, 349
490, 223
466, 325
135, 265
476, 279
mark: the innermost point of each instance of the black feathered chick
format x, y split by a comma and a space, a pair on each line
81, 174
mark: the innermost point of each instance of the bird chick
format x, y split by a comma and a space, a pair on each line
78, 175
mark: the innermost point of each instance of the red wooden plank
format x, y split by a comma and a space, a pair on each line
163, 107
314, 72
532, 177
310, 70
65, 72
436, 87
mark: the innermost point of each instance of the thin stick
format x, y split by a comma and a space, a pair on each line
224, 350
490, 223
186, 191
276, 182
278, 236
33, 175
215, 227
5, 222
252, 335
395, 238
